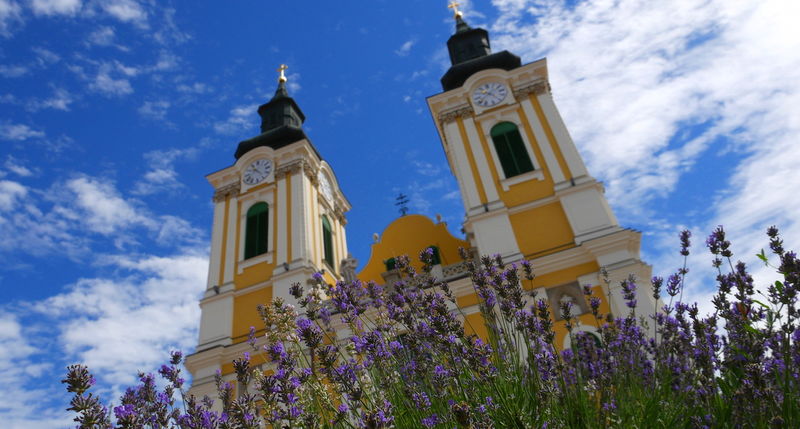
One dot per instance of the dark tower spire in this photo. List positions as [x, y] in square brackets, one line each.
[281, 120]
[471, 52]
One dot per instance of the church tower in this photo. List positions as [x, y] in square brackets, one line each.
[526, 191]
[278, 219]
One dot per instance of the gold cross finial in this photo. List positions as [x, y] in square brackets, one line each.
[281, 70]
[454, 5]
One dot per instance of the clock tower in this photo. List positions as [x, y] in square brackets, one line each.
[278, 219]
[525, 188]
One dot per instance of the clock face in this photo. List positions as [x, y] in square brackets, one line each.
[257, 171]
[325, 187]
[489, 94]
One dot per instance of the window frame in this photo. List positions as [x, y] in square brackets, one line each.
[328, 259]
[255, 239]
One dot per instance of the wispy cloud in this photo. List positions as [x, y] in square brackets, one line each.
[106, 83]
[155, 110]
[56, 7]
[648, 89]
[405, 48]
[10, 12]
[18, 132]
[241, 118]
[60, 100]
[13, 70]
[161, 175]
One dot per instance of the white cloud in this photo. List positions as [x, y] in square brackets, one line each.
[13, 71]
[56, 7]
[126, 11]
[102, 209]
[647, 88]
[25, 400]
[405, 48]
[241, 118]
[9, 12]
[156, 110]
[106, 84]
[18, 132]
[60, 100]
[161, 175]
[103, 36]
[13, 166]
[11, 194]
[45, 56]
[120, 325]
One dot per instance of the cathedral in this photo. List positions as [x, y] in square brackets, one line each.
[280, 215]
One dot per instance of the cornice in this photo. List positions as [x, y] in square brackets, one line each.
[539, 86]
[453, 114]
[231, 190]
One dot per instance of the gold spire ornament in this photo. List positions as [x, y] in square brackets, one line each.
[282, 69]
[456, 13]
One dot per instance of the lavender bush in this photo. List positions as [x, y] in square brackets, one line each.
[410, 364]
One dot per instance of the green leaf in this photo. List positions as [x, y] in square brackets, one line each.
[779, 286]
[762, 256]
[761, 304]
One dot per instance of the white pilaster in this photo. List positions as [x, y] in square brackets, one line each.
[299, 251]
[565, 143]
[230, 241]
[216, 244]
[464, 172]
[480, 160]
[280, 208]
[544, 144]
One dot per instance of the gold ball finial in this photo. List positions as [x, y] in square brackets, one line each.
[282, 69]
[456, 13]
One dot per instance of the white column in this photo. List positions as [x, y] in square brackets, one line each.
[216, 244]
[461, 167]
[230, 241]
[543, 142]
[565, 143]
[481, 160]
[280, 209]
[299, 251]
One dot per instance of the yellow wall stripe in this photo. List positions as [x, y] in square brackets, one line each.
[531, 138]
[550, 136]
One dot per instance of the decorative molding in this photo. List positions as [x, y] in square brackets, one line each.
[451, 115]
[539, 87]
[294, 167]
[224, 192]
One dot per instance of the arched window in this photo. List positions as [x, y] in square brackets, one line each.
[511, 149]
[256, 230]
[327, 240]
[390, 263]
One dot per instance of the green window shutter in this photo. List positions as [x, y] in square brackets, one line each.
[256, 230]
[390, 263]
[327, 241]
[511, 149]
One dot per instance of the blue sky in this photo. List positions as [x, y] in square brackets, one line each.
[112, 112]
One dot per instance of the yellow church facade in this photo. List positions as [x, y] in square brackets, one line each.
[279, 214]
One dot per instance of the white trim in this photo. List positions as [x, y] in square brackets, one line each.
[480, 160]
[568, 149]
[469, 191]
[520, 178]
[216, 244]
[280, 207]
[544, 142]
[230, 244]
[248, 201]
[298, 214]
